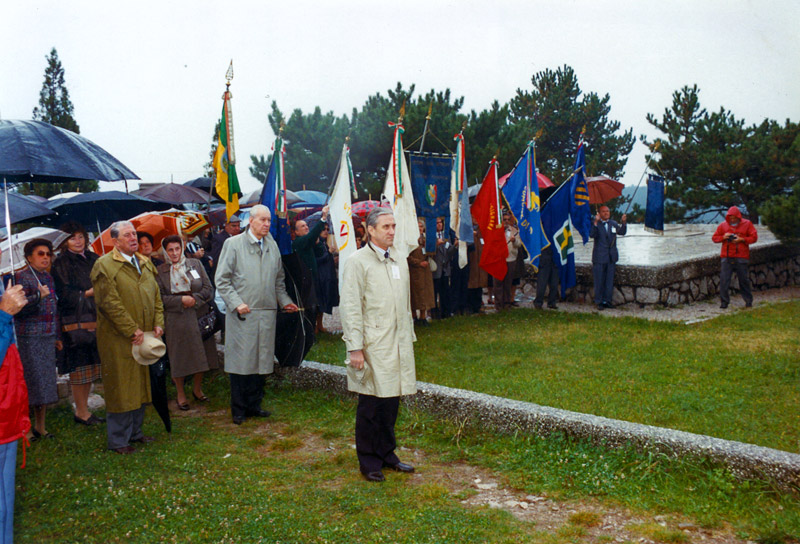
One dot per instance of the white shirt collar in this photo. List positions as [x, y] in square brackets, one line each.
[252, 236]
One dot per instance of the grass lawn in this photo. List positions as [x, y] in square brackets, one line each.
[294, 478]
[735, 377]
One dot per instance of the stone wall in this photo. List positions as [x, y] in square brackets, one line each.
[696, 279]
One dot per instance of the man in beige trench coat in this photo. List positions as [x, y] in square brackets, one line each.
[375, 307]
[250, 280]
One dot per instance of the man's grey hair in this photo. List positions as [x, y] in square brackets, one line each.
[260, 209]
[117, 226]
[376, 214]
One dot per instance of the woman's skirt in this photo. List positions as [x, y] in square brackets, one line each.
[38, 355]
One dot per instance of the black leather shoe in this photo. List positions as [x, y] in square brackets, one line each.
[376, 476]
[608, 305]
[401, 467]
[601, 307]
[144, 440]
[259, 413]
[723, 305]
[553, 306]
[238, 420]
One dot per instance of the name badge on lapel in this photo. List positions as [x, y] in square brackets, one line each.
[193, 273]
[395, 272]
[613, 229]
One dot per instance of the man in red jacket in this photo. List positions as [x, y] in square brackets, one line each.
[736, 234]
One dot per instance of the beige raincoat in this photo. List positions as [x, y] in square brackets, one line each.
[375, 307]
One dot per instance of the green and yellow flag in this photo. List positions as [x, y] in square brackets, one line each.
[227, 183]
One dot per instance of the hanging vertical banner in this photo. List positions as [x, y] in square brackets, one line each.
[430, 181]
[342, 211]
[486, 211]
[401, 199]
[654, 213]
[227, 183]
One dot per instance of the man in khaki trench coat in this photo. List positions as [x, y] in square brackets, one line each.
[250, 280]
[375, 308]
[128, 303]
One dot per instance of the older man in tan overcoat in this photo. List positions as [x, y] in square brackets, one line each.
[375, 309]
[250, 280]
[128, 303]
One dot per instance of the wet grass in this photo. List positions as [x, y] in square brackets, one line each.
[294, 478]
[734, 377]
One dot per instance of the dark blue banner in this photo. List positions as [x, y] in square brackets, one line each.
[430, 182]
[654, 213]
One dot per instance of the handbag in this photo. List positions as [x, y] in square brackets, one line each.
[79, 329]
[211, 322]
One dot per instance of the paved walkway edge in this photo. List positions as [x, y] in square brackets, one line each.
[745, 460]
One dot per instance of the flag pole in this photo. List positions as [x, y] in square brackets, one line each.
[427, 120]
[656, 145]
[8, 229]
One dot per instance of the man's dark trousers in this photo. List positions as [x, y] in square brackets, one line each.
[375, 441]
[247, 392]
[729, 264]
[603, 282]
[547, 277]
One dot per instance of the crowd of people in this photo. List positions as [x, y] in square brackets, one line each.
[108, 317]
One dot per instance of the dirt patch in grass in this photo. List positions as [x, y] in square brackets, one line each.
[586, 521]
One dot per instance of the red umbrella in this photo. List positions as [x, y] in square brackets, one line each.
[362, 208]
[602, 189]
[543, 180]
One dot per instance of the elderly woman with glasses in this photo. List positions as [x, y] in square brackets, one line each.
[38, 332]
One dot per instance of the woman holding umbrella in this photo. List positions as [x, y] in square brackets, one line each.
[37, 332]
[186, 292]
[76, 303]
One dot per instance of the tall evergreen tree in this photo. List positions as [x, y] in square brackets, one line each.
[713, 160]
[55, 108]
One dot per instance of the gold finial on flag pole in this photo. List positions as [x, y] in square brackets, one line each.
[402, 112]
[280, 129]
[430, 109]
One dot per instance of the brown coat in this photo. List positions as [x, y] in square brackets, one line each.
[188, 353]
[478, 278]
[422, 296]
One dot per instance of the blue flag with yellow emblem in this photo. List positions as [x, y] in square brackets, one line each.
[522, 194]
[579, 206]
[557, 226]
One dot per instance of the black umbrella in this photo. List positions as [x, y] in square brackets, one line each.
[22, 208]
[173, 193]
[39, 152]
[205, 184]
[99, 209]
[294, 332]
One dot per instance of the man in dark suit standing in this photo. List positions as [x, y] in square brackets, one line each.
[605, 255]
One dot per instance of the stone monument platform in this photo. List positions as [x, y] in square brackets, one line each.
[680, 266]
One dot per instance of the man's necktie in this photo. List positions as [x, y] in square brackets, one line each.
[136, 264]
[261, 246]
[386, 255]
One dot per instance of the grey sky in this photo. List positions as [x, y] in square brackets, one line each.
[147, 77]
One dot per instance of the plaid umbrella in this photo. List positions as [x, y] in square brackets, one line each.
[362, 209]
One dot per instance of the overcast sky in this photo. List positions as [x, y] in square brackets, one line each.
[146, 78]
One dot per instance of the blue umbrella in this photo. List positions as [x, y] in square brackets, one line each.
[99, 209]
[22, 208]
[310, 199]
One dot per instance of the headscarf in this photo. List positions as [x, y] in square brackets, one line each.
[179, 280]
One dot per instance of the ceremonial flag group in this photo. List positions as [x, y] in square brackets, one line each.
[341, 211]
[397, 190]
[227, 183]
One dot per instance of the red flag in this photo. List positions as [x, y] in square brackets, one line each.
[486, 212]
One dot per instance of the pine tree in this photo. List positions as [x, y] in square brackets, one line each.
[55, 108]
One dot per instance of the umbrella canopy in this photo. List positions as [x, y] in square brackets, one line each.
[541, 179]
[22, 208]
[173, 193]
[37, 198]
[101, 208]
[310, 198]
[602, 189]
[156, 225]
[254, 198]
[205, 184]
[18, 242]
[39, 152]
[192, 223]
[362, 209]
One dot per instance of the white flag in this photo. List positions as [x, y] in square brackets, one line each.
[406, 234]
[341, 211]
